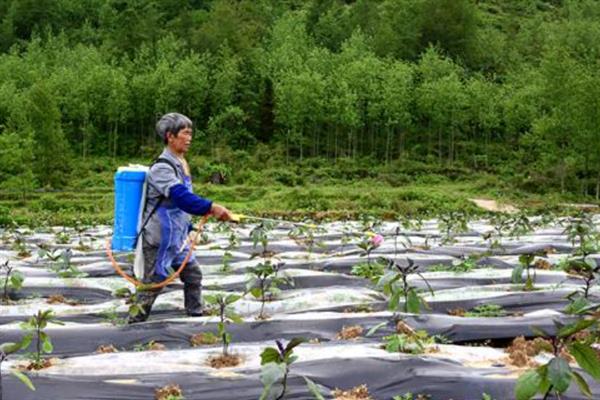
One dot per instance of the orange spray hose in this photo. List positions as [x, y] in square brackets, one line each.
[170, 278]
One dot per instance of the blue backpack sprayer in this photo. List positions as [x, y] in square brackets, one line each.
[130, 199]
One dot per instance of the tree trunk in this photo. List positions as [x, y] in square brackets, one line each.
[598, 186]
[401, 145]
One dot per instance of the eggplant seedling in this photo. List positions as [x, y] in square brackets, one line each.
[260, 234]
[263, 281]
[64, 268]
[413, 301]
[35, 330]
[62, 237]
[519, 225]
[304, 235]
[223, 302]
[20, 246]
[525, 263]
[405, 241]
[556, 376]
[11, 281]
[275, 367]
[452, 223]
[589, 271]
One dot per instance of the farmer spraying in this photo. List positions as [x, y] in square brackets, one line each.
[170, 202]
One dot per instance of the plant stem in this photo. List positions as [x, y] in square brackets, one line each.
[284, 384]
[224, 334]
[263, 298]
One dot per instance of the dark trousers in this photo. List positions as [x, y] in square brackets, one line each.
[191, 276]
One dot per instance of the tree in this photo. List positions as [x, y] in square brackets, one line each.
[51, 149]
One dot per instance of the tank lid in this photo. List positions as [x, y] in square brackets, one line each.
[133, 168]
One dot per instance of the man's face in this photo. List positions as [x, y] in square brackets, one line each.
[181, 142]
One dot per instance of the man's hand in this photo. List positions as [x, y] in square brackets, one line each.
[220, 212]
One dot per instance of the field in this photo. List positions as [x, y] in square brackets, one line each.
[442, 308]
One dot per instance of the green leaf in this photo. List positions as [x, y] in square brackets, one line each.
[375, 328]
[251, 283]
[545, 383]
[527, 385]
[559, 374]
[517, 274]
[268, 355]
[394, 301]
[571, 329]
[539, 331]
[314, 389]
[232, 298]
[272, 373]
[23, 378]
[413, 302]
[210, 299]
[293, 343]
[577, 306]
[26, 341]
[47, 346]
[583, 386]
[256, 292]
[10, 347]
[586, 358]
[236, 319]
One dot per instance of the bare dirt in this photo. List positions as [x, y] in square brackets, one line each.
[224, 361]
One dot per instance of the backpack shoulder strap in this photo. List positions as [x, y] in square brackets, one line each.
[162, 160]
[161, 198]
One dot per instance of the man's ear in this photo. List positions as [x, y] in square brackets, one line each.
[169, 135]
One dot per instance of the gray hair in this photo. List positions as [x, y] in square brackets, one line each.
[172, 122]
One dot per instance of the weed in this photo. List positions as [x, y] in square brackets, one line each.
[372, 271]
[486, 311]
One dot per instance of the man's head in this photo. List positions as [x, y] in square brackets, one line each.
[175, 130]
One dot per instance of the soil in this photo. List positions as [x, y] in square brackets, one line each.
[403, 327]
[522, 351]
[457, 312]
[357, 393]
[358, 309]
[263, 254]
[542, 264]
[224, 361]
[350, 332]
[202, 339]
[168, 392]
[492, 205]
[154, 346]
[60, 299]
[106, 348]
[46, 363]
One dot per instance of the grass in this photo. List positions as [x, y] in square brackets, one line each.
[324, 193]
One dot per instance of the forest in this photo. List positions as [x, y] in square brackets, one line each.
[393, 90]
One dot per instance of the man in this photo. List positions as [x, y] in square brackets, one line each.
[169, 203]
